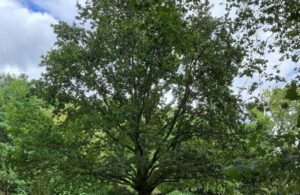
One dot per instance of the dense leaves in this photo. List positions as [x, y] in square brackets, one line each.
[146, 83]
[269, 162]
[136, 99]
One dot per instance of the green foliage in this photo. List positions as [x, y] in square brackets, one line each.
[28, 134]
[11, 90]
[278, 18]
[266, 26]
[138, 90]
[140, 102]
[291, 93]
[270, 159]
[179, 193]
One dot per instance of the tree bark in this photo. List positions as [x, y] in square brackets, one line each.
[144, 189]
[144, 192]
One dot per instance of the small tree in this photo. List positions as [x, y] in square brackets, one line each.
[148, 83]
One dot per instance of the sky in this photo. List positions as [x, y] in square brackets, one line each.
[26, 34]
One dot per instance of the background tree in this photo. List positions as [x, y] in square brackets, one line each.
[269, 160]
[146, 83]
[28, 133]
[266, 26]
[10, 182]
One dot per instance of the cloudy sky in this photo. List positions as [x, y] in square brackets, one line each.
[26, 34]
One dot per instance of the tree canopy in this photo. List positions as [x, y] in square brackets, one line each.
[137, 99]
[146, 81]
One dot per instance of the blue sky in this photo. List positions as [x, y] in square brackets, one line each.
[32, 6]
[59, 9]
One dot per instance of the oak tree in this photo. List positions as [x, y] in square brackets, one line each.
[143, 91]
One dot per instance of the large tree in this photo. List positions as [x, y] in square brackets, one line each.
[143, 91]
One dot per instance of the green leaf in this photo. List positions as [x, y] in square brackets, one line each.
[232, 173]
[285, 105]
[298, 120]
[291, 93]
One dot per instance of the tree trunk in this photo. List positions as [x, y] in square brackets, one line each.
[144, 189]
[144, 192]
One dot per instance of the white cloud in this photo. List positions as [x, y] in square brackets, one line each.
[24, 37]
[9, 3]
